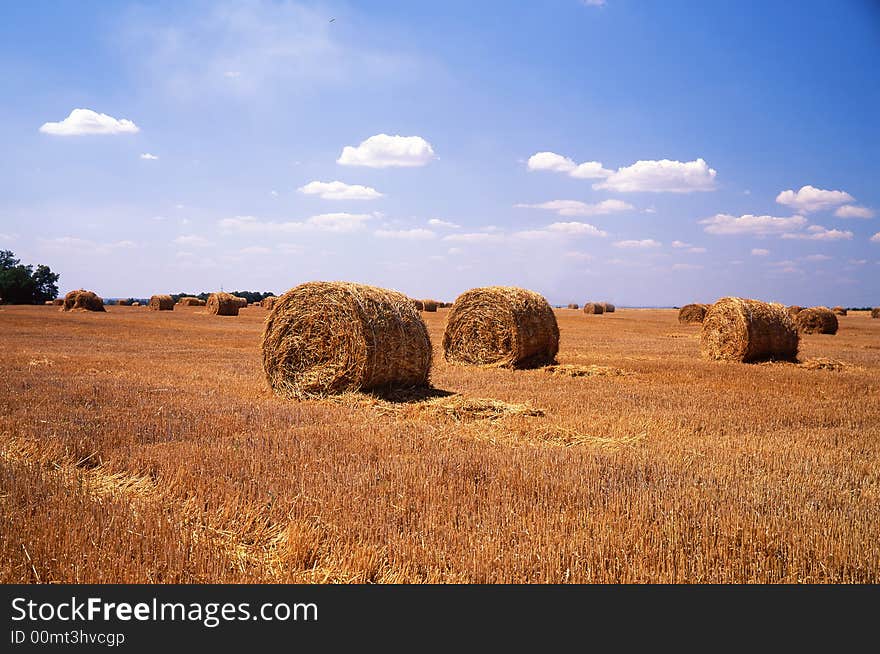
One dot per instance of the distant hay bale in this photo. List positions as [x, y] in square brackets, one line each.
[875, 312]
[49, 303]
[123, 302]
[574, 305]
[738, 329]
[816, 320]
[161, 303]
[222, 304]
[418, 304]
[268, 302]
[429, 305]
[594, 308]
[242, 301]
[82, 300]
[191, 302]
[692, 314]
[840, 311]
[609, 308]
[794, 310]
[135, 304]
[331, 337]
[58, 302]
[501, 326]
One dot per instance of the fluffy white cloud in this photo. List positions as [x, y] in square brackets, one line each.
[417, 234]
[436, 222]
[663, 176]
[191, 240]
[875, 238]
[852, 211]
[327, 222]
[638, 244]
[149, 157]
[557, 163]
[384, 151]
[686, 266]
[474, 237]
[339, 191]
[555, 230]
[819, 233]
[809, 199]
[760, 252]
[86, 121]
[578, 208]
[680, 244]
[817, 257]
[857, 262]
[594, 3]
[725, 224]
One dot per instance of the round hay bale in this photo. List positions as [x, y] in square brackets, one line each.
[418, 304]
[794, 310]
[58, 302]
[816, 320]
[49, 303]
[331, 337]
[429, 305]
[82, 300]
[609, 308]
[594, 308]
[191, 302]
[242, 301]
[692, 314]
[268, 302]
[840, 311]
[222, 304]
[501, 326]
[574, 305]
[135, 304]
[738, 329]
[161, 303]
[875, 312]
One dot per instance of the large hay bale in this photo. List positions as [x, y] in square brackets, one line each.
[222, 304]
[331, 337]
[875, 312]
[816, 320]
[58, 302]
[242, 301]
[609, 308]
[429, 305]
[501, 326]
[191, 302]
[594, 308]
[738, 329]
[794, 310]
[82, 300]
[692, 314]
[161, 303]
[268, 302]
[840, 311]
[574, 305]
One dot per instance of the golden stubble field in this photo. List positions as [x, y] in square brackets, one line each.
[140, 446]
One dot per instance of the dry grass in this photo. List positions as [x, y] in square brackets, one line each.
[686, 471]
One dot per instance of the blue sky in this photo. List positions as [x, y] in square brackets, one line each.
[647, 153]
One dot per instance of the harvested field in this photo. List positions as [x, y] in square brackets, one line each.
[684, 470]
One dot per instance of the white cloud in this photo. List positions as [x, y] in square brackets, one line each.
[290, 248]
[817, 257]
[875, 238]
[638, 244]
[680, 244]
[149, 157]
[559, 164]
[575, 228]
[192, 240]
[231, 74]
[86, 121]
[417, 234]
[474, 237]
[436, 222]
[697, 250]
[725, 224]
[273, 193]
[75, 243]
[852, 211]
[327, 222]
[578, 256]
[340, 191]
[593, 3]
[760, 252]
[384, 151]
[663, 176]
[819, 233]
[686, 266]
[578, 208]
[857, 262]
[454, 251]
[809, 199]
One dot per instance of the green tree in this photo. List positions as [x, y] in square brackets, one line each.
[21, 284]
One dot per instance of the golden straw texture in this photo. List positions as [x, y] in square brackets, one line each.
[161, 303]
[82, 300]
[816, 320]
[222, 304]
[692, 314]
[738, 329]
